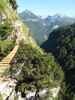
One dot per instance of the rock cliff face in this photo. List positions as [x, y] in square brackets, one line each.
[7, 92]
[7, 88]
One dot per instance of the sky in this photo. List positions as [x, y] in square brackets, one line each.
[48, 7]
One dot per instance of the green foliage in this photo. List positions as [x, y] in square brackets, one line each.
[3, 5]
[5, 29]
[1, 98]
[13, 4]
[38, 70]
[61, 43]
[5, 47]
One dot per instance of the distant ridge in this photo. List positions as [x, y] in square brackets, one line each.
[42, 27]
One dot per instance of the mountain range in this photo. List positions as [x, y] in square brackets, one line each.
[40, 28]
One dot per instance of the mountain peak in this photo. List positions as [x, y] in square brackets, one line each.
[28, 11]
[28, 14]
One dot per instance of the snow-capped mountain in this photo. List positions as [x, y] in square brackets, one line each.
[41, 27]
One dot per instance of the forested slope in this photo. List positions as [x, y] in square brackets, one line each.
[61, 43]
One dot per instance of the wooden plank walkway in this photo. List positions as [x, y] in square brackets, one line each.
[5, 63]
